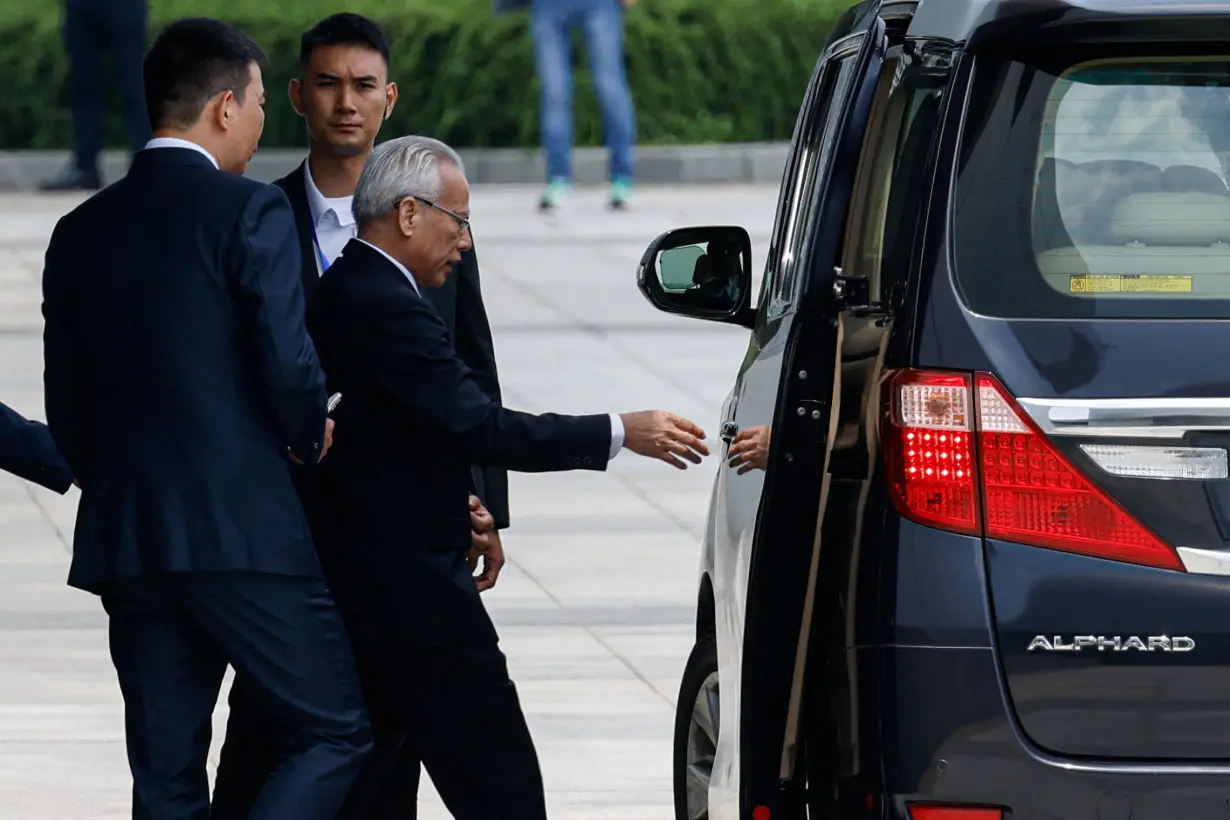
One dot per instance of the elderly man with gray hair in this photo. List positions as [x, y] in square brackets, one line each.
[389, 508]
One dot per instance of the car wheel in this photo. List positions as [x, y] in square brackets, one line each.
[696, 732]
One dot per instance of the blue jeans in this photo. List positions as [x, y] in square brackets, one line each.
[601, 24]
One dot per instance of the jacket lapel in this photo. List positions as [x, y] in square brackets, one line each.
[295, 186]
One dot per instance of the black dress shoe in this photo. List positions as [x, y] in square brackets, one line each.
[72, 178]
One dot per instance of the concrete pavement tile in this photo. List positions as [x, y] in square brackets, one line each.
[60, 511]
[617, 770]
[657, 653]
[58, 722]
[626, 695]
[515, 589]
[565, 807]
[14, 274]
[13, 489]
[557, 653]
[615, 569]
[18, 511]
[609, 612]
[536, 496]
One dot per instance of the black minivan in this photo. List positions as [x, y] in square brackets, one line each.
[971, 559]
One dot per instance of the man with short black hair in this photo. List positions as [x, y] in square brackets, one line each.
[344, 94]
[180, 383]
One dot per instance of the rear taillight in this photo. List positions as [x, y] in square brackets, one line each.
[933, 450]
[954, 813]
[970, 461]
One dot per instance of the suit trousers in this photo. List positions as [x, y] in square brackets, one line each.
[454, 709]
[91, 29]
[172, 636]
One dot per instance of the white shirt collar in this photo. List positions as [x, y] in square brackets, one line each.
[176, 142]
[319, 204]
[400, 266]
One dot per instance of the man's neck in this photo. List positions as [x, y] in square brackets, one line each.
[194, 136]
[336, 176]
[377, 237]
[373, 236]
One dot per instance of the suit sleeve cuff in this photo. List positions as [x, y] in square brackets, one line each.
[617, 435]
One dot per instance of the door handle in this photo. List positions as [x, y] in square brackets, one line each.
[729, 431]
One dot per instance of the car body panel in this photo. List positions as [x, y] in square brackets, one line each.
[921, 684]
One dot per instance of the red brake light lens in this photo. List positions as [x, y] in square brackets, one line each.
[1033, 495]
[1019, 488]
[954, 813]
[932, 452]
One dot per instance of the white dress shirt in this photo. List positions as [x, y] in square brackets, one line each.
[617, 424]
[176, 142]
[333, 221]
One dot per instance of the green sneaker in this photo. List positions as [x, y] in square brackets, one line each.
[554, 194]
[621, 193]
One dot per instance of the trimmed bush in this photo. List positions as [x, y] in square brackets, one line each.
[701, 70]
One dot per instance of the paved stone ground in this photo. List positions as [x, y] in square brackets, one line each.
[596, 605]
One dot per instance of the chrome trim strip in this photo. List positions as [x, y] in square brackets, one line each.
[1204, 562]
[1128, 418]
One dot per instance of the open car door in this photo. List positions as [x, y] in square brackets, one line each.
[786, 547]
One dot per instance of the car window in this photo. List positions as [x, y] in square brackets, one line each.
[801, 191]
[1127, 207]
[890, 176]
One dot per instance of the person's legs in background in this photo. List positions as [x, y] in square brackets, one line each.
[85, 39]
[92, 28]
[128, 24]
[550, 28]
[602, 22]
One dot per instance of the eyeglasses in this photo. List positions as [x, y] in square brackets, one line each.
[463, 224]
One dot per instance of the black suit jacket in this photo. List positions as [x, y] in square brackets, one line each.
[460, 304]
[178, 371]
[27, 450]
[389, 504]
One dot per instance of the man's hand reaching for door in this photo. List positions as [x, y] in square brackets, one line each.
[664, 436]
[750, 449]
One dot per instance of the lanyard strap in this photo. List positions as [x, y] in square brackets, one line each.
[320, 254]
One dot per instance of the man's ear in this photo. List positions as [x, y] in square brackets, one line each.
[222, 109]
[390, 99]
[295, 91]
[408, 215]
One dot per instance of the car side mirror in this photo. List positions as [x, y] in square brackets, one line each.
[704, 273]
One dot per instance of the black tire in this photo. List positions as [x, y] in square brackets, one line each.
[702, 662]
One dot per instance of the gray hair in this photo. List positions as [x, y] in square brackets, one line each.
[400, 168]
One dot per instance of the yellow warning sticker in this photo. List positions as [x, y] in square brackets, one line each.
[1129, 283]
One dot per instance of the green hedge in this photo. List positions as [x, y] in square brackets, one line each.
[700, 70]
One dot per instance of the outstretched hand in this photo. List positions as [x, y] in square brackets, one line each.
[664, 436]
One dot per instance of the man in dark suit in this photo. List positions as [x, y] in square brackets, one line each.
[389, 507]
[179, 383]
[28, 451]
[344, 95]
[91, 29]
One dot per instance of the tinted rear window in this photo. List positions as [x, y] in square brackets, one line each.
[1096, 188]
